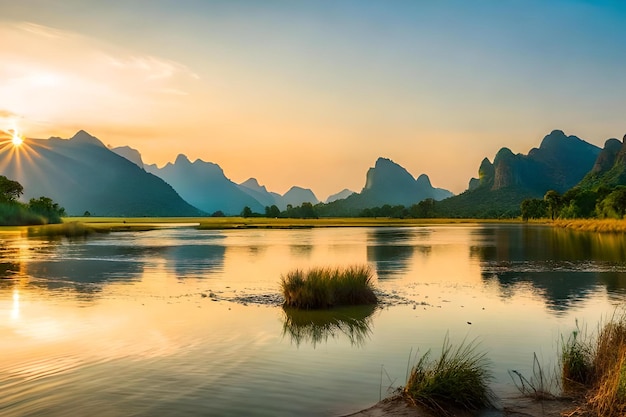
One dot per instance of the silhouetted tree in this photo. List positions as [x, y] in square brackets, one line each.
[272, 211]
[10, 190]
[246, 212]
[307, 211]
[218, 213]
[423, 210]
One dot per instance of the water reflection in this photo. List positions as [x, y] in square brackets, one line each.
[391, 249]
[195, 260]
[562, 266]
[86, 265]
[315, 326]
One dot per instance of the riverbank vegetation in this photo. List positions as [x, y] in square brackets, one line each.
[457, 380]
[40, 210]
[594, 369]
[319, 288]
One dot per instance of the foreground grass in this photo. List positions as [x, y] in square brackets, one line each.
[593, 225]
[457, 380]
[328, 287]
[595, 368]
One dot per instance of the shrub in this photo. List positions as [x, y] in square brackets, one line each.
[328, 287]
[458, 380]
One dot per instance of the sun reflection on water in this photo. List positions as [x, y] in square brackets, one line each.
[15, 311]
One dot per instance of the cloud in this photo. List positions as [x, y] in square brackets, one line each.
[6, 114]
[53, 76]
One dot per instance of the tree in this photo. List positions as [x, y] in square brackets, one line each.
[614, 204]
[307, 211]
[246, 212]
[424, 209]
[10, 190]
[44, 206]
[272, 211]
[553, 200]
[533, 208]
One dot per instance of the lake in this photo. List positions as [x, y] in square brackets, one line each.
[181, 322]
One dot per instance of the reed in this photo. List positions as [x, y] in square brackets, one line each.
[457, 380]
[328, 287]
[593, 225]
[69, 230]
[608, 382]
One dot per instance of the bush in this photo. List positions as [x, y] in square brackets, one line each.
[458, 380]
[328, 287]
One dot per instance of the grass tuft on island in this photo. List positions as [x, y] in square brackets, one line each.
[457, 381]
[328, 287]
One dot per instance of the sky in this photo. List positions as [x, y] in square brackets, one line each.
[311, 93]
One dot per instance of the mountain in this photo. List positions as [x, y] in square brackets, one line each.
[387, 183]
[204, 185]
[266, 198]
[129, 153]
[298, 195]
[390, 183]
[609, 168]
[558, 164]
[81, 174]
[345, 193]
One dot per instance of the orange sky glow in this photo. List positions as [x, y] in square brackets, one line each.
[311, 94]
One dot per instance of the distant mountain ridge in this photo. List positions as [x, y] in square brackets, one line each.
[559, 164]
[82, 175]
[204, 185]
[389, 183]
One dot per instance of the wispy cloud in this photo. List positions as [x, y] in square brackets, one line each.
[52, 75]
[44, 31]
[6, 114]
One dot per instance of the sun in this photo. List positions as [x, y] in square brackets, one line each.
[17, 139]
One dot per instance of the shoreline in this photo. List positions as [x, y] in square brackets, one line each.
[398, 406]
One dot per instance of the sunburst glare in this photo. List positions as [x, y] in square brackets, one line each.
[17, 139]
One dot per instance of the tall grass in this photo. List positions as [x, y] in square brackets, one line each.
[576, 361]
[328, 287]
[608, 397]
[593, 225]
[457, 380]
[596, 368]
[69, 230]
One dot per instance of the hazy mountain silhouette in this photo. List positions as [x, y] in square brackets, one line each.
[266, 198]
[298, 195]
[558, 164]
[345, 193]
[609, 168]
[81, 174]
[204, 185]
[389, 183]
[129, 153]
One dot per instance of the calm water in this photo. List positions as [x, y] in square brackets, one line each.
[180, 322]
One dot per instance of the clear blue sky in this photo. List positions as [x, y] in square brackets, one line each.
[310, 93]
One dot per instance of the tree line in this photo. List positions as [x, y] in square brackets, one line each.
[603, 202]
[423, 209]
[40, 210]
